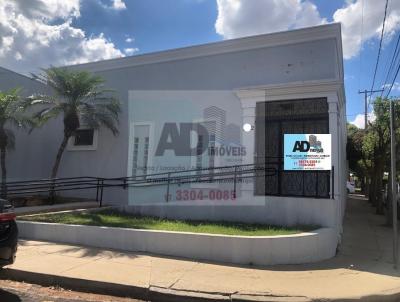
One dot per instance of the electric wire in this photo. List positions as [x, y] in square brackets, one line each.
[379, 50]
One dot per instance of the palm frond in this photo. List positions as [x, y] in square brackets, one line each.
[12, 110]
[43, 116]
[78, 93]
[105, 114]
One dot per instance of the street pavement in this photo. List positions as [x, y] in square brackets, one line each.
[361, 270]
[11, 291]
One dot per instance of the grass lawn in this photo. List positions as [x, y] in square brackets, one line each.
[112, 218]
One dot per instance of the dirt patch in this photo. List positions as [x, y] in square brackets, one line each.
[32, 292]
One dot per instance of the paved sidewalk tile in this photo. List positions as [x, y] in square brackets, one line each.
[362, 268]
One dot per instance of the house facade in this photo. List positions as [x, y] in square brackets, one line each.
[228, 104]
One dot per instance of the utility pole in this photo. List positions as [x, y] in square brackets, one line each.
[394, 184]
[366, 103]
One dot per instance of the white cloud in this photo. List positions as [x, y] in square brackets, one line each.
[351, 18]
[129, 40]
[118, 5]
[359, 120]
[396, 86]
[130, 51]
[47, 9]
[39, 33]
[238, 18]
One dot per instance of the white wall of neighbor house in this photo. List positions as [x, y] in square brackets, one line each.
[31, 157]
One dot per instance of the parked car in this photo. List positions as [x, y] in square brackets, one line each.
[8, 233]
[350, 187]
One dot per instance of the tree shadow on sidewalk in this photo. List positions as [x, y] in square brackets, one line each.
[366, 245]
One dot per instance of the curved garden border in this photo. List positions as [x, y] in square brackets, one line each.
[258, 250]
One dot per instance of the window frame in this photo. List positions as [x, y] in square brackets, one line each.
[93, 147]
[194, 162]
[151, 148]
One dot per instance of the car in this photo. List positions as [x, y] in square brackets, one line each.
[8, 233]
[350, 187]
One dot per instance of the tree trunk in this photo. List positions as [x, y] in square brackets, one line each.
[3, 172]
[56, 165]
[379, 199]
[380, 167]
[389, 201]
[366, 189]
[362, 185]
[372, 191]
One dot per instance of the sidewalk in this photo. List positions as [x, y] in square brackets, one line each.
[362, 269]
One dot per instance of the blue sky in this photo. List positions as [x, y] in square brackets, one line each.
[75, 31]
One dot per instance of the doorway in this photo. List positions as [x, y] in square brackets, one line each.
[273, 120]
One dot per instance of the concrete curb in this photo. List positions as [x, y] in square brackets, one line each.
[119, 290]
[152, 293]
[299, 248]
[159, 294]
[90, 286]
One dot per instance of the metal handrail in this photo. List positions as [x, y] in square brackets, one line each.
[235, 173]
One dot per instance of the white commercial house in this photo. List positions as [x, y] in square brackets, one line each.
[184, 109]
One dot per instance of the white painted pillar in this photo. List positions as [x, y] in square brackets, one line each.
[248, 141]
[335, 131]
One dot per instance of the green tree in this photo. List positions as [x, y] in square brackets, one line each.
[80, 98]
[11, 115]
[376, 150]
[356, 160]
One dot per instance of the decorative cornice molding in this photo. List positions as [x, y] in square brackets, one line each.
[291, 90]
[321, 32]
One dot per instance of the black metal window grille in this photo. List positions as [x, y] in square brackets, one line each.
[273, 120]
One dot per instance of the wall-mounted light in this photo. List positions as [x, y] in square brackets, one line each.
[247, 127]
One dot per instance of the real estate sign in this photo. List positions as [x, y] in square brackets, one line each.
[307, 152]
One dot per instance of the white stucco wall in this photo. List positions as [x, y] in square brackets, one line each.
[304, 62]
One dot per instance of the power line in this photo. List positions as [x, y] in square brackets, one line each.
[366, 103]
[392, 63]
[380, 45]
[361, 41]
[394, 79]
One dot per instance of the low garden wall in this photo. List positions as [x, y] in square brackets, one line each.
[258, 250]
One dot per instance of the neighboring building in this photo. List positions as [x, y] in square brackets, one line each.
[287, 82]
[27, 161]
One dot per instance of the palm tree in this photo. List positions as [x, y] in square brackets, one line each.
[11, 114]
[79, 97]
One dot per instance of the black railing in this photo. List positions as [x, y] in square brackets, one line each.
[223, 174]
[295, 183]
